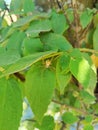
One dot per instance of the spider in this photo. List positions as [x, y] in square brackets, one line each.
[48, 63]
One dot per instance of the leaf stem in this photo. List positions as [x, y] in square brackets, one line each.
[52, 55]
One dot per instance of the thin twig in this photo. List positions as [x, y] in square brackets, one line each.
[8, 11]
[60, 5]
[31, 120]
[63, 126]
[78, 125]
[84, 31]
[3, 14]
[70, 107]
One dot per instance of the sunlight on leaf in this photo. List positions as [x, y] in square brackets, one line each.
[81, 69]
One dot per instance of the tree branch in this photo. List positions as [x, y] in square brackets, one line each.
[76, 22]
[88, 50]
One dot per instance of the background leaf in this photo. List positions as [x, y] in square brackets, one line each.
[86, 17]
[95, 20]
[69, 118]
[95, 39]
[39, 26]
[28, 6]
[16, 5]
[88, 118]
[31, 45]
[88, 127]
[47, 123]
[62, 74]
[87, 97]
[56, 21]
[2, 6]
[54, 41]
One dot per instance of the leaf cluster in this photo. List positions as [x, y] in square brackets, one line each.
[50, 58]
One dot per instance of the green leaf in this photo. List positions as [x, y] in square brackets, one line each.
[6, 33]
[88, 127]
[2, 6]
[47, 123]
[32, 45]
[8, 57]
[15, 41]
[1, 22]
[81, 69]
[88, 118]
[16, 5]
[77, 103]
[87, 97]
[92, 82]
[54, 41]
[70, 15]
[28, 19]
[69, 118]
[25, 62]
[40, 83]
[75, 53]
[93, 74]
[28, 6]
[34, 34]
[95, 107]
[95, 20]
[86, 17]
[64, 61]
[95, 39]
[2, 49]
[22, 6]
[10, 104]
[88, 58]
[24, 21]
[63, 78]
[56, 21]
[39, 26]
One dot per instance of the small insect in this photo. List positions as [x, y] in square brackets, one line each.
[47, 63]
